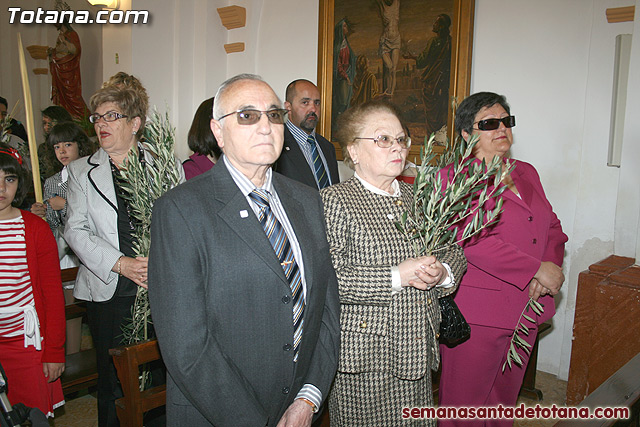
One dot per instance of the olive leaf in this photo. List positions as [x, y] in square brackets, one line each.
[142, 183]
[472, 195]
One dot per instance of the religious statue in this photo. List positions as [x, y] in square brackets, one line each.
[64, 65]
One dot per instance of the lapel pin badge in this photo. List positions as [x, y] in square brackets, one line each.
[244, 213]
[287, 148]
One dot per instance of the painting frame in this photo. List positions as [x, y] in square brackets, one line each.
[461, 31]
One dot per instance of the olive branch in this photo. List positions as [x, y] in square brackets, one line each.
[432, 221]
[517, 342]
[5, 124]
[142, 183]
[438, 208]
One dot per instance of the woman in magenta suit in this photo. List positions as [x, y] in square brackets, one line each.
[518, 258]
[202, 142]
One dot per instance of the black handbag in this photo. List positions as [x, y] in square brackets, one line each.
[453, 327]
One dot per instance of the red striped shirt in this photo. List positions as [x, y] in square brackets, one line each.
[15, 282]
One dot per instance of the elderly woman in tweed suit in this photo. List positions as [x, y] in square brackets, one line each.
[389, 309]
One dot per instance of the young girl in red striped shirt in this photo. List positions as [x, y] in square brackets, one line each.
[32, 320]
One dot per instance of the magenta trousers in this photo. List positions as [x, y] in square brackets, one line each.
[472, 374]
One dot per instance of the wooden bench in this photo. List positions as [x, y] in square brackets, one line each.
[81, 371]
[622, 389]
[135, 403]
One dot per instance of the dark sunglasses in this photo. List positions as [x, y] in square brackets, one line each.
[493, 124]
[251, 117]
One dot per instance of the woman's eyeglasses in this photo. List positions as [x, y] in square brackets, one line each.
[386, 141]
[109, 116]
[493, 124]
[251, 117]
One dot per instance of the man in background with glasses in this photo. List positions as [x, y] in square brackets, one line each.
[307, 157]
[246, 311]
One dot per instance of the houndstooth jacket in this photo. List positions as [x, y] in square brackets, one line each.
[381, 331]
[54, 186]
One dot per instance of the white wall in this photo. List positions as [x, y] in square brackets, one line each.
[180, 55]
[116, 46]
[554, 62]
[628, 207]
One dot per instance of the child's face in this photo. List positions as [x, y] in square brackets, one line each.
[47, 124]
[66, 152]
[8, 188]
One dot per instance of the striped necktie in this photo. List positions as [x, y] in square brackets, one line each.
[318, 166]
[280, 243]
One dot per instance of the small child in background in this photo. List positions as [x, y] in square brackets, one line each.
[32, 318]
[69, 142]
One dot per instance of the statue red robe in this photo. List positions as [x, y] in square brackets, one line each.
[66, 85]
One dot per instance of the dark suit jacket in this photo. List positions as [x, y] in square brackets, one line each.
[293, 164]
[222, 307]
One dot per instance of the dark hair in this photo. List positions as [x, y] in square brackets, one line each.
[290, 93]
[467, 110]
[70, 132]
[57, 113]
[10, 165]
[3, 101]
[200, 137]
[352, 121]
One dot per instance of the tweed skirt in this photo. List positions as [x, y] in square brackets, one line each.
[376, 399]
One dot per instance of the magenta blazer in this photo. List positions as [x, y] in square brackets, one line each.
[504, 258]
[195, 165]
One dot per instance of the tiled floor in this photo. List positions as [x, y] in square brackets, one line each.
[553, 391]
[83, 412]
[79, 412]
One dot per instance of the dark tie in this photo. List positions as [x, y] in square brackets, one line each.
[280, 243]
[318, 166]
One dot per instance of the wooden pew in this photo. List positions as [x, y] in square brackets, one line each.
[622, 389]
[135, 403]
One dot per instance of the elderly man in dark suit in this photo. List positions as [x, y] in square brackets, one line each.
[243, 294]
[307, 157]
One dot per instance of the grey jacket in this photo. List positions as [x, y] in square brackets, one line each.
[92, 225]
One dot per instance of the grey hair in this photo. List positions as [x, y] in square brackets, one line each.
[217, 101]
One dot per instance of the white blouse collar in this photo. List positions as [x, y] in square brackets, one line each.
[395, 186]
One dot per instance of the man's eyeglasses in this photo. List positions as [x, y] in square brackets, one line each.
[386, 141]
[251, 117]
[109, 116]
[493, 124]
